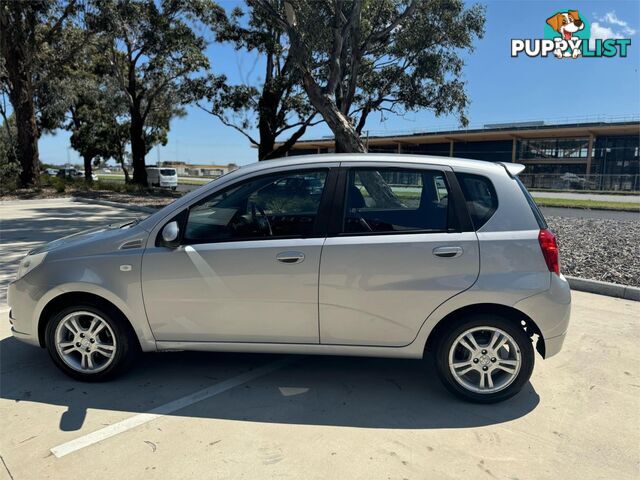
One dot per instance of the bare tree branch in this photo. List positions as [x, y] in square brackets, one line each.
[229, 124]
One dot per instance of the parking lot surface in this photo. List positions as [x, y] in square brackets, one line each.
[205, 415]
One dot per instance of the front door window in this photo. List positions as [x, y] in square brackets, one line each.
[281, 205]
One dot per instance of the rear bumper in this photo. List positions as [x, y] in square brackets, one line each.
[552, 346]
[550, 310]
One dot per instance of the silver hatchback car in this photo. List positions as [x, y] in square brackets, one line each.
[372, 255]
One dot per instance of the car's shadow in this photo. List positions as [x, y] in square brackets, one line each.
[338, 391]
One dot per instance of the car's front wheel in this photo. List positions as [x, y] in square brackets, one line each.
[90, 343]
[485, 358]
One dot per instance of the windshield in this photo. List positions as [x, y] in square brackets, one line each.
[167, 171]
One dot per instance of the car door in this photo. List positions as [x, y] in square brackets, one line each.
[247, 266]
[402, 245]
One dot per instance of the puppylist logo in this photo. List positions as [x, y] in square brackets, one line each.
[567, 35]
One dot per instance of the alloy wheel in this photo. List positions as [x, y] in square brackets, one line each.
[85, 342]
[484, 359]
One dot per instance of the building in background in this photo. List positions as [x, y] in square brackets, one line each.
[192, 170]
[600, 155]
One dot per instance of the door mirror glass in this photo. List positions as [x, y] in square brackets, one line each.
[170, 234]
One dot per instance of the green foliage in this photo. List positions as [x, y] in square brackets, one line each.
[273, 105]
[29, 58]
[9, 176]
[59, 184]
[152, 50]
[389, 56]
[97, 108]
[9, 166]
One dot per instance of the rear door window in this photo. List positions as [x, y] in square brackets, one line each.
[480, 197]
[393, 200]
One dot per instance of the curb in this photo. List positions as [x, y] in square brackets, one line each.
[604, 288]
[108, 203]
[34, 200]
[600, 209]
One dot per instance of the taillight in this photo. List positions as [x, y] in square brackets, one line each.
[549, 247]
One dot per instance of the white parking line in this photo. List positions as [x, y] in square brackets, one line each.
[18, 244]
[167, 408]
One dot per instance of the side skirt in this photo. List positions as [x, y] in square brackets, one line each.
[410, 351]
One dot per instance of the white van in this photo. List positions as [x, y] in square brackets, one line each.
[162, 177]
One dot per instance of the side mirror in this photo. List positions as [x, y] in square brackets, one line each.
[171, 235]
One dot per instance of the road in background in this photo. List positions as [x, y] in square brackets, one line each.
[599, 197]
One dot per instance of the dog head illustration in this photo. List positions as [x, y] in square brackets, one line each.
[566, 23]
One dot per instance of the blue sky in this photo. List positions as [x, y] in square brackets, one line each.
[501, 88]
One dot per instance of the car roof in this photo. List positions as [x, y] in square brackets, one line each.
[453, 162]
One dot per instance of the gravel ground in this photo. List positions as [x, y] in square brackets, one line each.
[599, 249]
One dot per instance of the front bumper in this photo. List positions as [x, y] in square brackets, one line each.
[20, 299]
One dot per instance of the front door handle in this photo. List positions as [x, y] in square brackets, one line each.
[290, 257]
[448, 252]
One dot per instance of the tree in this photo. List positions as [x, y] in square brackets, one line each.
[278, 105]
[153, 51]
[97, 111]
[26, 30]
[8, 135]
[96, 125]
[357, 57]
[9, 166]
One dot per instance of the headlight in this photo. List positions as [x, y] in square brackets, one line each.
[28, 263]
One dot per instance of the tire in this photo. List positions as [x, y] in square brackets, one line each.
[506, 369]
[112, 349]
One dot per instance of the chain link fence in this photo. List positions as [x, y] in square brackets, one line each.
[571, 181]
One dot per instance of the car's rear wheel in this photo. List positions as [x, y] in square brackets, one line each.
[90, 343]
[485, 358]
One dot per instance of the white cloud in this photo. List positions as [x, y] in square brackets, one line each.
[612, 19]
[602, 32]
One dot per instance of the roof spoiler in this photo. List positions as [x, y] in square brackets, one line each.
[512, 169]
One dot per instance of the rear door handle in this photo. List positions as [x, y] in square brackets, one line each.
[448, 252]
[290, 257]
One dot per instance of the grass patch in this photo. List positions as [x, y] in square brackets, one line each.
[79, 186]
[598, 192]
[595, 204]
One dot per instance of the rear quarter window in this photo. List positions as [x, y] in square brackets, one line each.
[480, 197]
[542, 223]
